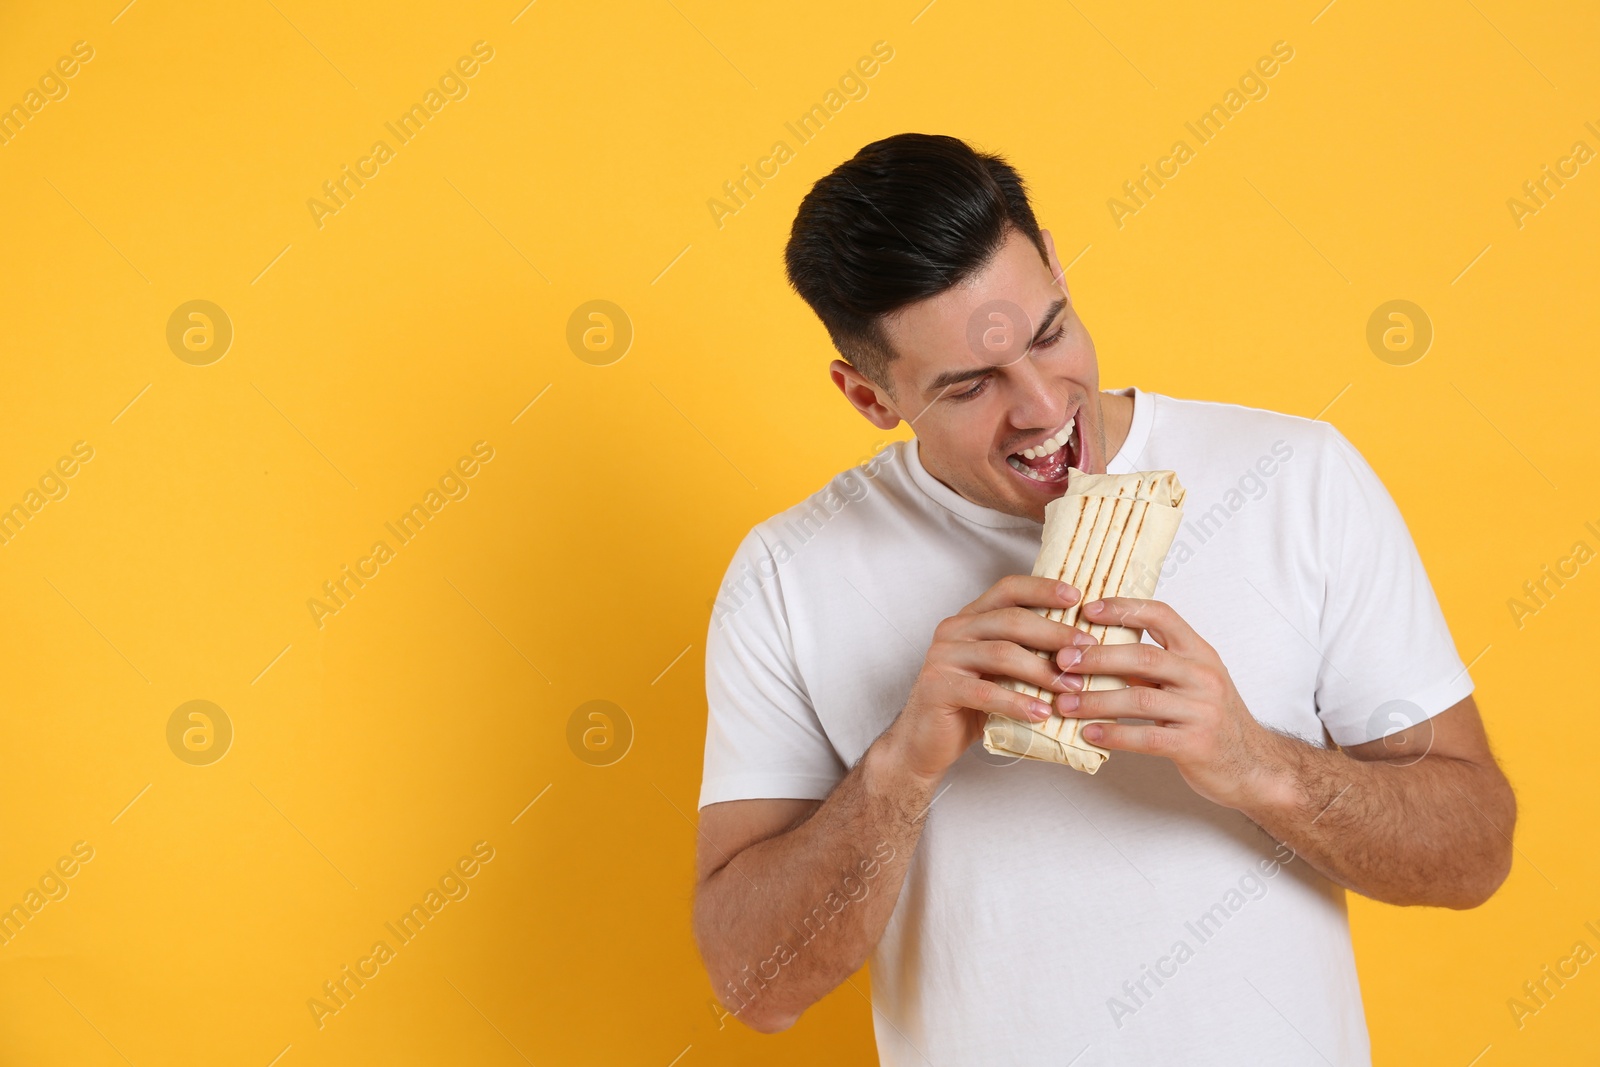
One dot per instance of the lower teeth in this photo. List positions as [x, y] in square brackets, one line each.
[1031, 473]
[1024, 468]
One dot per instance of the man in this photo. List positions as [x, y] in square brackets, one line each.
[1300, 724]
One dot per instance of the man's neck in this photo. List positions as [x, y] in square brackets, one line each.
[1117, 413]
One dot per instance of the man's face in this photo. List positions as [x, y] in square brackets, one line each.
[988, 369]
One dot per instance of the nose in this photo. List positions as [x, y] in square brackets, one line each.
[1038, 403]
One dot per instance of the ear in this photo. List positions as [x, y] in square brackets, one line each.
[1056, 272]
[865, 395]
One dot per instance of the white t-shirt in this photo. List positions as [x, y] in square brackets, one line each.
[1051, 917]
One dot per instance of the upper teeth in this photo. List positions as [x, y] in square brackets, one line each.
[1055, 444]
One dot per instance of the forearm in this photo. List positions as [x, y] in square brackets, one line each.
[1433, 831]
[788, 919]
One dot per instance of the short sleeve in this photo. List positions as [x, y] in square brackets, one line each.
[1388, 660]
[763, 738]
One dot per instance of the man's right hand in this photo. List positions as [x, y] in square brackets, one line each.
[989, 639]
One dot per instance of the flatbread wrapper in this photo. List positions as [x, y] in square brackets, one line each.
[1108, 535]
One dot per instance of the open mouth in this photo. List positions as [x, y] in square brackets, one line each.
[1047, 462]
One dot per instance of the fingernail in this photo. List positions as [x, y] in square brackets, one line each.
[1083, 640]
[1095, 606]
[1066, 702]
[1066, 592]
[1038, 710]
[1068, 656]
[1092, 732]
[1073, 681]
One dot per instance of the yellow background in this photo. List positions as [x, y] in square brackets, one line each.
[428, 312]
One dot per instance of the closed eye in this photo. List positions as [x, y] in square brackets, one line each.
[983, 383]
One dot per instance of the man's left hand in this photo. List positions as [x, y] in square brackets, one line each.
[1199, 720]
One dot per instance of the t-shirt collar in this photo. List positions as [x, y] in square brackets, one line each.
[1122, 463]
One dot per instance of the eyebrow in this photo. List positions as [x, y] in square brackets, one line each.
[956, 377]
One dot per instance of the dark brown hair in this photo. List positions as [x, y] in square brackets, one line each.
[905, 219]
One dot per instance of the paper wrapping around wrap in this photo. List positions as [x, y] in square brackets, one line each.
[1107, 536]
